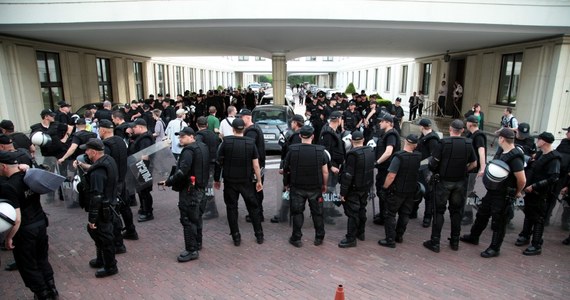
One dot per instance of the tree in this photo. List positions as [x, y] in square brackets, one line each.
[350, 89]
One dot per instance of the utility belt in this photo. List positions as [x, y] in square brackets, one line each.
[36, 224]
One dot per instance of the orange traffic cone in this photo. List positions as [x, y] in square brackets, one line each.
[339, 293]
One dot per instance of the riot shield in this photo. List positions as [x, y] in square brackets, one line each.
[152, 164]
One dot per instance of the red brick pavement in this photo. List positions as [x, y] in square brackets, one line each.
[278, 270]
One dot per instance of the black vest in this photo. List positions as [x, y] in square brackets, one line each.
[255, 132]
[118, 151]
[537, 170]
[381, 147]
[106, 162]
[200, 168]
[364, 168]
[511, 181]
[136, 145]
[424, 144]
[454, 156]
[211, 140]
[407, 176]
[305, 166]
[83, 137]
[238, 155]
[478, 134]
[55, 147]
[564, 150]
[337, 150]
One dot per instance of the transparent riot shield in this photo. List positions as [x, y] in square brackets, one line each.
[152, 164]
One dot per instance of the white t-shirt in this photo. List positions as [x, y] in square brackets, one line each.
[226, 126]
[173, 127]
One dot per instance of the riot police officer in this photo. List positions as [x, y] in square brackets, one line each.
[28, 238]
[541, 173]
[401, 187]
[450, 162]
[479, 142]
[305, 173]
[142, 139]
[253, 131]
[101, 185]
[498, 199]
[190, 180]
[426, 145]
[330, 139]
[385, 149]
[211, 140]
[78, 138]
[356, 179]
[238, 158]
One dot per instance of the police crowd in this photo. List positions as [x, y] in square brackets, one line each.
[328, 159]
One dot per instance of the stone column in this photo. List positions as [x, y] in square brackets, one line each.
[279, 72]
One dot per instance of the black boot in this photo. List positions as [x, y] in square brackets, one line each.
[536, 246]
[495, 247]
[470, 239]
[432, 244]
[454, 243]
[51, 285]
[236, 237]
[565, 219]
[43, 295]
[98, 261]
[524, 236]
[390, 243]
[566, 241]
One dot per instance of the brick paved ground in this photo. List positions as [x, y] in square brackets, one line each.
[278, 270]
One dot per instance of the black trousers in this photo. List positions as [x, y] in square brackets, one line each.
[31, 255]
[298, 199]
[535, 209]
[355, 209]
[454, 193]
[380, 178]
[103, 237]
[232, 191]
[493, 205]
[191, 206]
[146, 201]
[402, 205]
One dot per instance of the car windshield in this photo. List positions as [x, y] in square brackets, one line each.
[269, 117]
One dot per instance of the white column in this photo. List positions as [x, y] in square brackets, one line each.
[279, 72]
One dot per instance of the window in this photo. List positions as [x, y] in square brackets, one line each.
[311, 58]
[375, 79]
[366, 81]
[243, 58]
[426, 78]
[404, 82]
[139, 87]
[328, 58]
[388, 71]
[159, 78]
[509, 80]
[202, 78]
[192, 79]
[179, 80]
[50, 78]
[104, 75]
[259, 58]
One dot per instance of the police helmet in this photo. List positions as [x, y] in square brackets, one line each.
[372, 142]
[76, 182]
[420, 192]
[40, 138]
[346, 139]
[7, 216]
[495, 173]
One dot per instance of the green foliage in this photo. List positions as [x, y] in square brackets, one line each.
[385, 102]
[239, 87]
[298, 79]
[350, 89]
[220, 88]
[378, 97]
[266, 78]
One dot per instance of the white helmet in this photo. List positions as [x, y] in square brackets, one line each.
[495, 173]
[40, 138]
[371, 143]
[76, 181]
[347, 140]
[7, 216]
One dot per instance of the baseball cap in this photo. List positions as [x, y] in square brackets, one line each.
[5, 140]
[387, 118]
[245, 112]
[93, 143]
[507, 133]
[104, 123]
[181, 111]
[547, 137]
[298, 118]
[321, 94]
[10, 157]
[524, 130]
[351, 103]
[186, 131]
[425, 123]
[306, 131]
[46, 112]
[357, 135]
[238, 124]
[64, 104]
[80, 121]
[7, 124]
[567, 129]
[335, 115]
[140, 122]
[202, 121]
[472, 119]
[412, 138]
[456, 124]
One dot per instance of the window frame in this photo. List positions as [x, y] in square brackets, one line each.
[514, 79]
[50, 84]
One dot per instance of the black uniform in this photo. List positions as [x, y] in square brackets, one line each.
[256, 134]
[316, 113]
[193, 162]
[104, 114]
[356, 179]
[390, 138]
[101, 181]
[542, 174]
[426, 145]
[212, 141]
[351, 119]
[31, 240]
[496, 204]
[235, 156]
[478, 140]
[564, 150]
[402, 194]
[56, 131]
[302, 172]
[20, 140]
[79, 138]
[168, 114]
[398, 113]
[449, 162]
[139, 143]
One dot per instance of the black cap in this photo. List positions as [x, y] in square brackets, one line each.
[507, 133]
[47, 112]
[92, 106]
[5, 140]
[387, 118]
[457, 124]
[140, 122]
[245, 112]
[93, 143]
[425, 123]
[80, 121]
[547, 137]
[202, 121]
[357, 135]
[472, 119]
[412, 138]
[298, 118]
[64, 104]
[351, 102]
[10, 157]
[186, 131]
[306, 131]
[7, 124]
[127, 105]
[321, 94]
[159, 95]
[398, 99]
[567, 129]
[104, 123]
[238, 124]
[524, 130]
[335, 115]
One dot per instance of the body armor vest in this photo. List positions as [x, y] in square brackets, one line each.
[407, 176]
[564, 150]
[364, 168]
[424, 144]
[84, 137]
[211, 140]
[107, 163]
[537, 170]
[200, 163]
[305, 165]
[381, 147]
[118, 151]
[238, 153]
[515, 153]
[259, 141]
[454, 158]
[337, 150]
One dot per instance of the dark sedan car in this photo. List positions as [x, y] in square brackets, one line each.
[274, 121]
